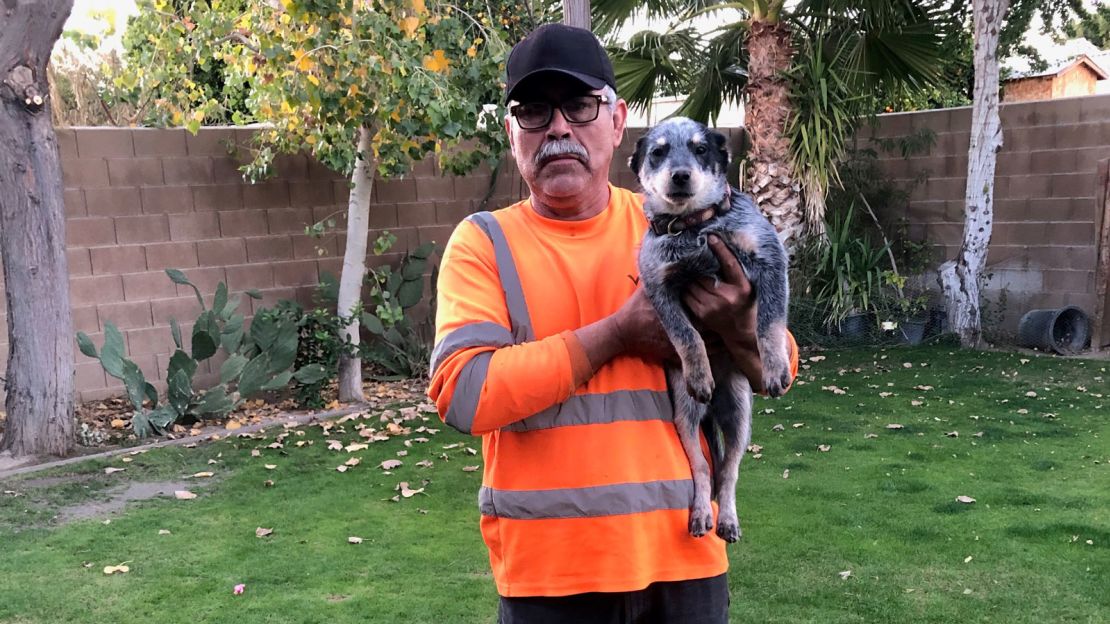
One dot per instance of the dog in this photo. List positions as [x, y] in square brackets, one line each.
[682, 166]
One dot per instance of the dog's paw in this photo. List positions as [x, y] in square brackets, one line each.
[700, 387]
[701, 521]
[729, 530]
[775, 383]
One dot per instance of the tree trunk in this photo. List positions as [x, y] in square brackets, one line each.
[39, 380]
[770, 174]
[354, 264]
[577, 13]
[960, 277]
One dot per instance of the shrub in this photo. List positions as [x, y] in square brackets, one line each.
[259, 361]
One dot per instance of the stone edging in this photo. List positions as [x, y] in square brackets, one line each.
[304, 419]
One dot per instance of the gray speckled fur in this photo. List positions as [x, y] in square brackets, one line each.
[709, 393]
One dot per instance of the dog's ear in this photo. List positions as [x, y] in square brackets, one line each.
[720, 148]
[637, 157]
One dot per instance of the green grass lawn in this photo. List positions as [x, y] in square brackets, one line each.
[1035, 547]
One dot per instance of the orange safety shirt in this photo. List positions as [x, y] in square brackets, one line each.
[587, 488]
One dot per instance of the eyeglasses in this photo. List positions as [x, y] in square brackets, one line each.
[577, 110]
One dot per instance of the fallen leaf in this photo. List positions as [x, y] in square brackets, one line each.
[126, 460]
[916, 403]
[1031, 394]
[256, 453]
[868, 436]
[885, 394]
[184, 495]
[778, 427]
[261, 532]
[390, 464]
[110, 470]
[118, 423]
[907, 364]
[953, 434]
[163, 532]
[121, 569]
[754, 448]
[427, 463]
[965, 499]
[270, 466]
[352, 462]
[799, 425]
[355, 446]
[335, 445]
[268, 483]
[834, 389]
[470, 468]
[786, 474]
[845, 574]
[895, 426]
[471, 451]
[406, 491]
[824, 448]
[238, 589]
[968, 559]
[233, 424]
[341, 468]
[817, 358]
[354, 540]
[923, 388]
[1023, 411]
[202, 475]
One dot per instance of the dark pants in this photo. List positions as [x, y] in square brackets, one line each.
[698, 601]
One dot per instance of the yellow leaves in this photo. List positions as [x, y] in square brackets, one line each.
[314, 80]
[436, 62]
[120, 569]
[419, 7]
[409, 26]
[472, 51]
[302, 61]
[177, 118]
[310, 139]
[352, 90]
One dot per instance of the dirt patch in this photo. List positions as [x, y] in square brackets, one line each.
[119, 497]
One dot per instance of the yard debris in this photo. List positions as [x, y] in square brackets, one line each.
[834, 389]
[824, 448]
[263, 532]
[203, 475]
[119, 569]
[427, 463]
[952, 434]
[816, 358]
[406, 491]
[354, 540]
[238, 589]
[868, 436]
[845, 574]
[968, 559]
[786, 474]
[163, 532]
[799, 425]
[390, 464]
[895, 426]
[965, 499]
[470, 468]
[355, 446]
[754, 448]
[184, 495]
[269, 466]
[111, 470]
[778, 427]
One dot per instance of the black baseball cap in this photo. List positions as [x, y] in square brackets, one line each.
[575, 52]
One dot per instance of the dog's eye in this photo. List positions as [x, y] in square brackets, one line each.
[659, 152]
[700, 149]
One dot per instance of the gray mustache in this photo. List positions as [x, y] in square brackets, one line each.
[562, 147]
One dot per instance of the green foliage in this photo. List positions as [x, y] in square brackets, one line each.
[320, 344]
[397, 345]
[260, 362]
[1093, 25]
[315, 71]
[842, 274]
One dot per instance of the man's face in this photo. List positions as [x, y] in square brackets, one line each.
[564, 159]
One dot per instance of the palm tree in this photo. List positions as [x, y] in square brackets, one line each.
[800, 108]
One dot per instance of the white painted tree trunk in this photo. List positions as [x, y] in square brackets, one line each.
[354, 263]
[960, 277]
[577, 13]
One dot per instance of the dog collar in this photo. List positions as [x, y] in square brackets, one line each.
[675, 225]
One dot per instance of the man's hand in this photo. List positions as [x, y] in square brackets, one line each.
[728, 309]
[639, 330]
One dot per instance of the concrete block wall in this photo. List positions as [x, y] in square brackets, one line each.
[139, 201]
[1044, 246]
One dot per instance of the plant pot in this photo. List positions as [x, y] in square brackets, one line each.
[938, 320]
[912, 330]
[855, 326]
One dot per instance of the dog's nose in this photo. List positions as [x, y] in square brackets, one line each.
[680, 178]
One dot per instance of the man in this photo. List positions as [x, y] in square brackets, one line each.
[547, 349]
